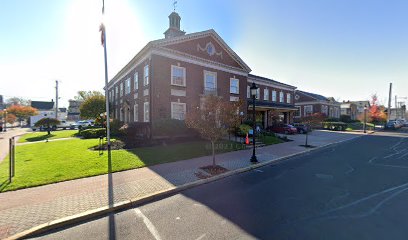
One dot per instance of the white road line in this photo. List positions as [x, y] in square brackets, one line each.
[148, 224]
[201, 237]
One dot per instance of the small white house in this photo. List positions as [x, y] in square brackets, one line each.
[46, 109]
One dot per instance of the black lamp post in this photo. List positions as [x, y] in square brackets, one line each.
[254, 90]
[365, 118]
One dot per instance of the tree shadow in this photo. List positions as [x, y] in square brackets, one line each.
[4, 184]
[40, 138]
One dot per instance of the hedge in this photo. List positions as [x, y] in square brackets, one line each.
[336, 126]
[93, 133]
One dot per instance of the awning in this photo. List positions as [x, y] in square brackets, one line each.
[264, 105]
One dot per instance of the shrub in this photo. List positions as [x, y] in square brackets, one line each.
[244, 129]
[336, 126]
[115, 126]
[332, 120]
[170, 127]
[93, 133]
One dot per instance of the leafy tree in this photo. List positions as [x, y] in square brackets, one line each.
[22, 112]
[312, 121]
[18, 101]
[84, 95]
[92, 107]
[11, 118]
[49, 122]
[211, 120]
[376, 113]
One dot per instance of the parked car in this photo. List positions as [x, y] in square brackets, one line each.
[302, 128]
[62, 125]
[83, 123]
[393, 124]
[283, 128]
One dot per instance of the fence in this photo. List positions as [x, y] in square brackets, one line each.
[12, 156]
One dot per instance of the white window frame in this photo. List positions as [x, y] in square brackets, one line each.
[172, 108]
[136, 112]
[215, 79]
[274, 96]
[232, 80]
[184, 76]
[146, 75]
[305, 112]
[288, 98]
[299, 111]
[121, 89]
[248, 91]
[258, 93]
[121, 114]
[326, 110]
[116, 91]
[266, 94]
[281, 97]
[127, 86]
[136, 81]
[146, 112]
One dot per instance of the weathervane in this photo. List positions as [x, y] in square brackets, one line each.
[174, 5]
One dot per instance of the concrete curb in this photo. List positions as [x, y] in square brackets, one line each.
[168, 192]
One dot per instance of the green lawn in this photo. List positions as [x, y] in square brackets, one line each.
[269, 140]
[358, 126]
[49, 162]
[39, 136]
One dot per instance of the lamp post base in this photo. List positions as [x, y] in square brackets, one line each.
[254, 159]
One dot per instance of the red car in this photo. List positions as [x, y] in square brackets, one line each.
[283, 128]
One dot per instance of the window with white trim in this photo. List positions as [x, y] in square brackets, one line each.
[127, 86]
[117, 91]
[121, 89]
[178, 110]
[281, 97]
[274, 96]
[307, 110]
[210, 81]
[234, 85]
[298, 112]
[178, 76]
[325, 110]
[136, 113]
[258, 93]
[146, 75]
[266, 94]
[288, 98]
[136, 81]
[146, 117]
[121, 114]
[248, 92]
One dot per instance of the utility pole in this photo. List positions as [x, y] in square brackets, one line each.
[389, 103]
[56, 99]
[103, 38]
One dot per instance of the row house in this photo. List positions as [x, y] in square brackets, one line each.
[170, 76]
[274, 101]
[350, 109]
[310, 103]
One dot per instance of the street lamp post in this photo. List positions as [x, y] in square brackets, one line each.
[365, 118]
[253, 89]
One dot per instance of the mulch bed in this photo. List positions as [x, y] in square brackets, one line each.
[307, 146]
[210, 171]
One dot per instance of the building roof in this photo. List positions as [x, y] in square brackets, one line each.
[314, 95]
[160, 43]
[40, 105]
[62, 109]
[270, 80]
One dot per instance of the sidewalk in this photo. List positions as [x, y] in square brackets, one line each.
[4, 139]
[23, 209]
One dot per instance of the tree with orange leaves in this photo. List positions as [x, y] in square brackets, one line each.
[21, 112]
[376, 114]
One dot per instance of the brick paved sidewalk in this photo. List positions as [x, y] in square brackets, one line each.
[23, 209]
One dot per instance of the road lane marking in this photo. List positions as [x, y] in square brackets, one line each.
[148, 224]
[201, 237]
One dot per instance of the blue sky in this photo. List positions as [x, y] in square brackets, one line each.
[346, 49]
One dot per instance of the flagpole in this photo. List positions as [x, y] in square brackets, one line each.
[106, 81]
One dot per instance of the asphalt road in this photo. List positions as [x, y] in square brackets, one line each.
[354, 190]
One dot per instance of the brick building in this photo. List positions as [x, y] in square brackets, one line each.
[309, 103]
[169, 76]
